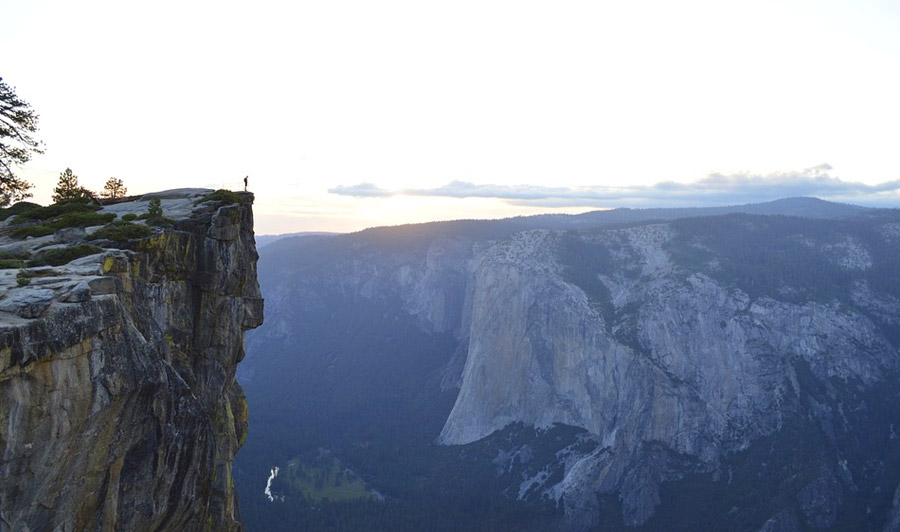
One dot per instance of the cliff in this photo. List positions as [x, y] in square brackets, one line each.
[728, 372]
[118, 404]
[672, 369]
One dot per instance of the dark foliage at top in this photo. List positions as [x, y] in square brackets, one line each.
[18, 122]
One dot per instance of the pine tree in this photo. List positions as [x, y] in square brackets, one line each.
[114, 188]
[67, 188]
[17, 123]
[154, 209]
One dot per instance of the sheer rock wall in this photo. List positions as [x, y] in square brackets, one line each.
[118, 404]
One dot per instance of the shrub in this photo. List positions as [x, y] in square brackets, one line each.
[68, 219]
[12, 260]
[157, 221]
[52, 211]
[60, 256]
[223, 196]
[6, 264]
[18, 208]
[162, 221]
[121, 231]
[24, 276]
[8, 255]
[81, 219]
[130, 217]
[32, 230]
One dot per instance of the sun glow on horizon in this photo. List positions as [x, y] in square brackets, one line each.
[308, 96]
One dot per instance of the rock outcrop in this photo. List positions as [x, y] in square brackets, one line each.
[118, 404]
[681, 368]
[678, 372]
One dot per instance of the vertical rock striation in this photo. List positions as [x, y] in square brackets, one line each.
[118, 404]
[672, 372]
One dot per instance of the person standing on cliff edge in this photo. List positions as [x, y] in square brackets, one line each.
[245, 183]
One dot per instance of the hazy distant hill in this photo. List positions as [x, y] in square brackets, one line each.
[666, 369]
[265, 240]
[801, 206]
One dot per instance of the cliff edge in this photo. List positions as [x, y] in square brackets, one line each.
[118, 404]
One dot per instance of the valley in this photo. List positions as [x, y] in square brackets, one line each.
[690, 370]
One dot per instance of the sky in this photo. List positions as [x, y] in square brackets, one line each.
[351, 114]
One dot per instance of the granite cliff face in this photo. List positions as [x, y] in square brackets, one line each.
[677, 373]
[727, 372]
[118, 404]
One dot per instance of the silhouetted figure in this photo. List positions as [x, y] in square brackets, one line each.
[245, 183]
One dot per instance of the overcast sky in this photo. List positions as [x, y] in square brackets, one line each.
[352, 114]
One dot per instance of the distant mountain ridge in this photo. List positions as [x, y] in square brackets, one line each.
[806, 207]
[265, 240]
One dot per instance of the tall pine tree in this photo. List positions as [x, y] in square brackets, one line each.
[18, 122]
[67, 188]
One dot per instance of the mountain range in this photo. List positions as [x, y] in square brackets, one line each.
[726, 368]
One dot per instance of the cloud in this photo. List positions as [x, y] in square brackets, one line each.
[715, 189]
[362, 190]
[462, 189]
